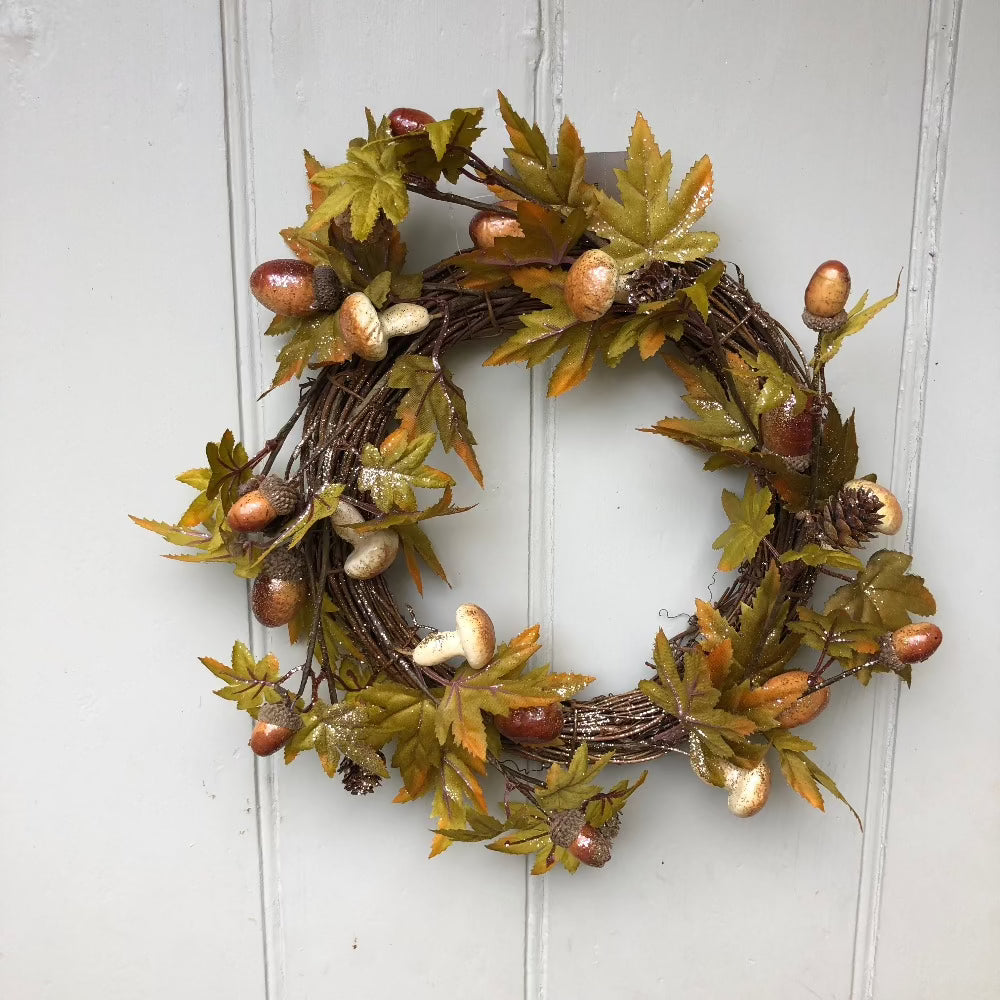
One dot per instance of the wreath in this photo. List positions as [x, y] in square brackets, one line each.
[558, 266]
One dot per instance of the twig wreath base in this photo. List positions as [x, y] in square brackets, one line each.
[558, 267]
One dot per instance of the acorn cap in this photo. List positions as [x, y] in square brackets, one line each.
[283, 496]
[565, 826]
[284, 564]
[279, 713]
[328, 288]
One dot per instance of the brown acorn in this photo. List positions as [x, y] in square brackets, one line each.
[403, 121]
[789, 434]
[486, 227]
[788, 693]
[532, 726]
[565, 826]
[914, 643]
[591, 285]
[256, 509]
[285, 287]
[826, 295]
[591, 847]
[280, 590]
[276, 724]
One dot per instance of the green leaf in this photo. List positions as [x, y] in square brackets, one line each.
[857, 320]
[391, 471]
[316, 340]
[434, 402]
[607, 804]
[457, 787]
[647, 224]
[370, 182]
[838, 455]
[335, 730]
[321, 506]
[838, 635]
[442, 148]
[778, 385]
[883, 593]
[230, 468]
[802, 774]
[246, 680]
[571, 786]
[560, 183]
[816, 555]
[750, 523]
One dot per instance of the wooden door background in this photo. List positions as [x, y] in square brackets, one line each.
[149, 153]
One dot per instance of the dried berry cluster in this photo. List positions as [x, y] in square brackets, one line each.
[558, 268]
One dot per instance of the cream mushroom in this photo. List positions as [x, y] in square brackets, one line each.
[891, 514]
[366, 331]
[373, 551]
[592, 284]
[748, 787]
[473, 638]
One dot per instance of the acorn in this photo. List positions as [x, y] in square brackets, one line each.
[404, 121]
[591, 285]
[789, 434]
[285, 287]
[280, 590]
[914, 643]
[486, 227]
[591, 847]
[276, 724]
[826, 295]
[535, 725]
[269, 499]
[789, 693]
[565, 826]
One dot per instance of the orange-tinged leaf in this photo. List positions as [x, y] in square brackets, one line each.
[719, 661]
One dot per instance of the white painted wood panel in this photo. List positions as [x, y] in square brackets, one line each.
[941, 895]
[154, 856]
[129, 861]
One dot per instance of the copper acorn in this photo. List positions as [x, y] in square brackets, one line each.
[256, 509]
[532, 726]
[285, 287]
[403, 121]
[486, 227]
[788, 434]
[916, 642]
[591, 285]
[828, 290]
[280, 590]
[788, 696]
[276, 724]
[591, 847]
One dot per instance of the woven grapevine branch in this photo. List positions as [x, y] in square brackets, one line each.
[561, 268]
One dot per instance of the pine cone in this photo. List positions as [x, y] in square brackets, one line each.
[655, 282]
[356, 779]
[849, 520]
[565, 826]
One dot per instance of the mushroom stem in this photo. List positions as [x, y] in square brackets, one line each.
[372, 553]
[473, 638]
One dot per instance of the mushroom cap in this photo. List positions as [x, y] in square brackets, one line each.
[343, 517]
[373, 555]
[476, 634]
[891, 513]
[361, 327]
[591, 285]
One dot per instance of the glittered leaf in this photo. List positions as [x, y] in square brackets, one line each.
[391, 471]
[230, 468]
[857, 320]
[246, 680]
[750, 524]
[802, 774]
[816, 555]
[883, 593]
[838, 635]
[571, 786]
[316, 340]
[334, 731]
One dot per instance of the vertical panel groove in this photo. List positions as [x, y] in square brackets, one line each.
[932, 154]
[547, 100]
[239, 159]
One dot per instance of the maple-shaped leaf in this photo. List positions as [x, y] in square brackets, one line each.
[527, 831]
[315, 340]
[603, 806]
[549, 331]
[883, 593]
[230, 468]
[456, 787]
[247, 680]
[750, 523]
[370, 182]
[391, 471]
[802, 774]
[838, 635]
[778, 386]
[648, 224]
[202, 509]
[496, 689]
[571, 786]
[442, 148]
[335, 730]
[399, 713]
[559, 182]
[413, 538]
[817, 555]
[719, 423]
[434, 402]
[857, 320]
[546, 241]
[692, 700]
[656, 322]
[838, 455]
